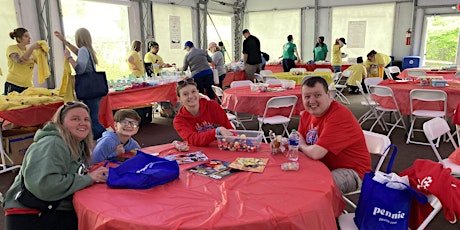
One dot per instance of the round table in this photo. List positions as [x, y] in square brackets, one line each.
[233, 76]
[275, 199]
[446, 74]
[402, 90]
[243, 100]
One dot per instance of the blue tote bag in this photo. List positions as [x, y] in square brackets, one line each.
[381, 207]
[143, 171]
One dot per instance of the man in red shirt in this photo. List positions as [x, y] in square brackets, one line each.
[330, 133]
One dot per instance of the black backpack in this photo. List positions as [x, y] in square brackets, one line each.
[266, 56]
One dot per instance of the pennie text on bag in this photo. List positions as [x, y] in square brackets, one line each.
[382, 207]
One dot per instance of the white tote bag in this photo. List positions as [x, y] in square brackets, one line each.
[216, 76]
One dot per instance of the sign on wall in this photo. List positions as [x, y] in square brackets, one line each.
[356, 34]
[174, 32]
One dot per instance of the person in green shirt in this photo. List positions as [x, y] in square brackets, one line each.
[320, 50]
[222, 49]
[289, 58]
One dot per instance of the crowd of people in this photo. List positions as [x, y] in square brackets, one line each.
[57, 164]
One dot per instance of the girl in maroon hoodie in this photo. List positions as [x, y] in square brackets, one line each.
[199, 120]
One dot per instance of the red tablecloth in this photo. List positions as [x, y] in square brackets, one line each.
[274, 199]
[456, 117]
[243, 100]
[309, 67]
[402, 90]
[134, 97]
[233, 76]
[447, 74]
[31, 116]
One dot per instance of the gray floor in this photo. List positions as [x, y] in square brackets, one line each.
[160, 131]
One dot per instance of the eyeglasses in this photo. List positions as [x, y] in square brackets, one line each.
[185, 82]
[129, 123]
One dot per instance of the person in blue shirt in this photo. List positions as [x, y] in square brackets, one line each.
[264, 61]
[120, 141]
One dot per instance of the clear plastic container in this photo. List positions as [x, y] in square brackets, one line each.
[259, 87]
[288, 84]
[241, 141]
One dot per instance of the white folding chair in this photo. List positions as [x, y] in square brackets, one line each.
[388, 74]
[231, 117]
[434, 129]
[371, 81]
[259, 78]
[346, 74]
[300, 70]
[437, 206]
[275, 103]
[457, 75]
[394, 69]
[322, 70]
[376, 144]
[265, 73]
[371, 113]
[204, 96]
[240, 83]
[339, 88]
[273, 82]
[383, 91]
[346, 220]
[425, 95]
[266, 78]
[416, 73]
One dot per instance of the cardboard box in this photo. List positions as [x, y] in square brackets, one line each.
[16, 142]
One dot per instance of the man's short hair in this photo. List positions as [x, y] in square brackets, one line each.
[245, 31]
[359, 60]
[311, 82]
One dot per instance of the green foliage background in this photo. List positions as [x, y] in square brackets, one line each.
[442, 39]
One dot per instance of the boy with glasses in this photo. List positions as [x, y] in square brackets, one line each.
[120, 141]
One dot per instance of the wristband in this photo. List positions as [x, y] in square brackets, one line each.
[217, 131]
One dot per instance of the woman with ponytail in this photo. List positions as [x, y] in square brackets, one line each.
[20, 62]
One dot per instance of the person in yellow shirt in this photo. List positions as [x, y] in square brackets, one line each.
[375, 64]
[152, 57]
[136, 66]
[336, 61]
[359, 74]
[20, 62]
